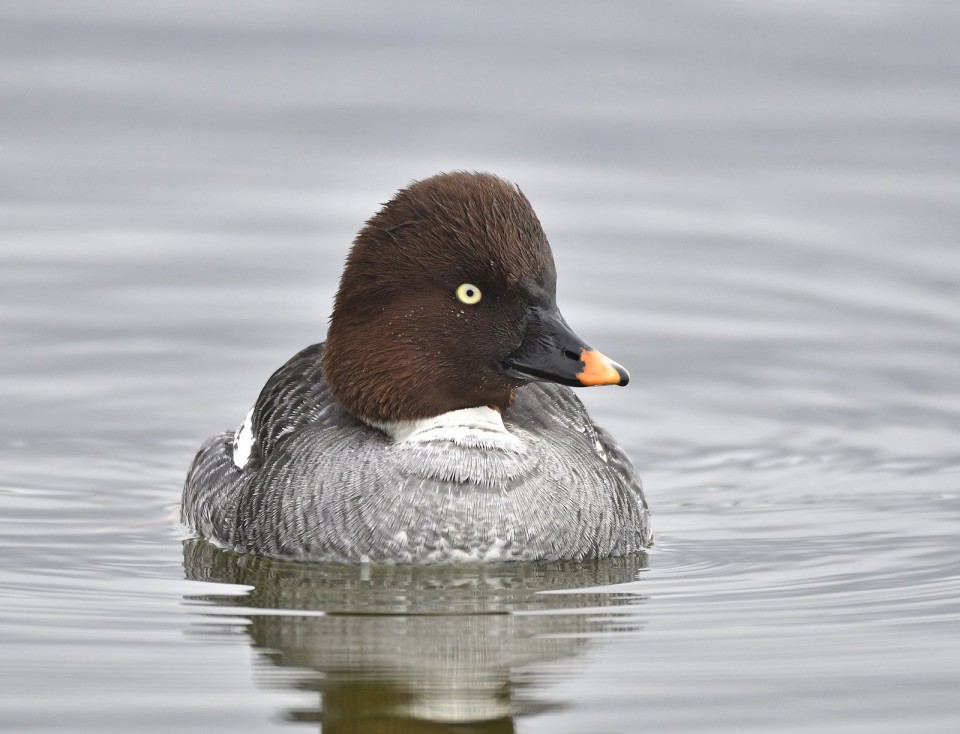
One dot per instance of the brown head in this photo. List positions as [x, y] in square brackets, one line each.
[448, 301]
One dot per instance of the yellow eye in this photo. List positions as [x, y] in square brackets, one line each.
[468, 293]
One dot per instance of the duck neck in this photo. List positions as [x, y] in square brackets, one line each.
[480, 427]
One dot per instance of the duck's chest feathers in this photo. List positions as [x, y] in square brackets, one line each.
[470, 447]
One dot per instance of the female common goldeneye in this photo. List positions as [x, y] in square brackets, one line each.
[434, 424]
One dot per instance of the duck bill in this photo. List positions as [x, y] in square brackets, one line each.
[550, 351]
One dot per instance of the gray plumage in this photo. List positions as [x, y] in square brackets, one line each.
[321, 485]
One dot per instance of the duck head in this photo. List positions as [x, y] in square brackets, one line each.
[448, 301]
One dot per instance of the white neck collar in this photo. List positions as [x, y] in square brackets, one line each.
[474, 427]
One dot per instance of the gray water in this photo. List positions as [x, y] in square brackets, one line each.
[755, 207]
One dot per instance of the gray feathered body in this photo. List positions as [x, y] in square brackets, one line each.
[321, 485]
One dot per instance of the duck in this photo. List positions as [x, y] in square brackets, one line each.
[436, 423]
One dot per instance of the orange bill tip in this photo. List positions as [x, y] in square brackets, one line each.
[599, 369]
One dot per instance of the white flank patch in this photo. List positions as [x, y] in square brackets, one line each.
[243, 441]
[474, 427]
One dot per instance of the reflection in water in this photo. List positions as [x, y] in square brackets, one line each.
[417, 648]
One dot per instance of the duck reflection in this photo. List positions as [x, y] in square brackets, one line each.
[417, 648]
